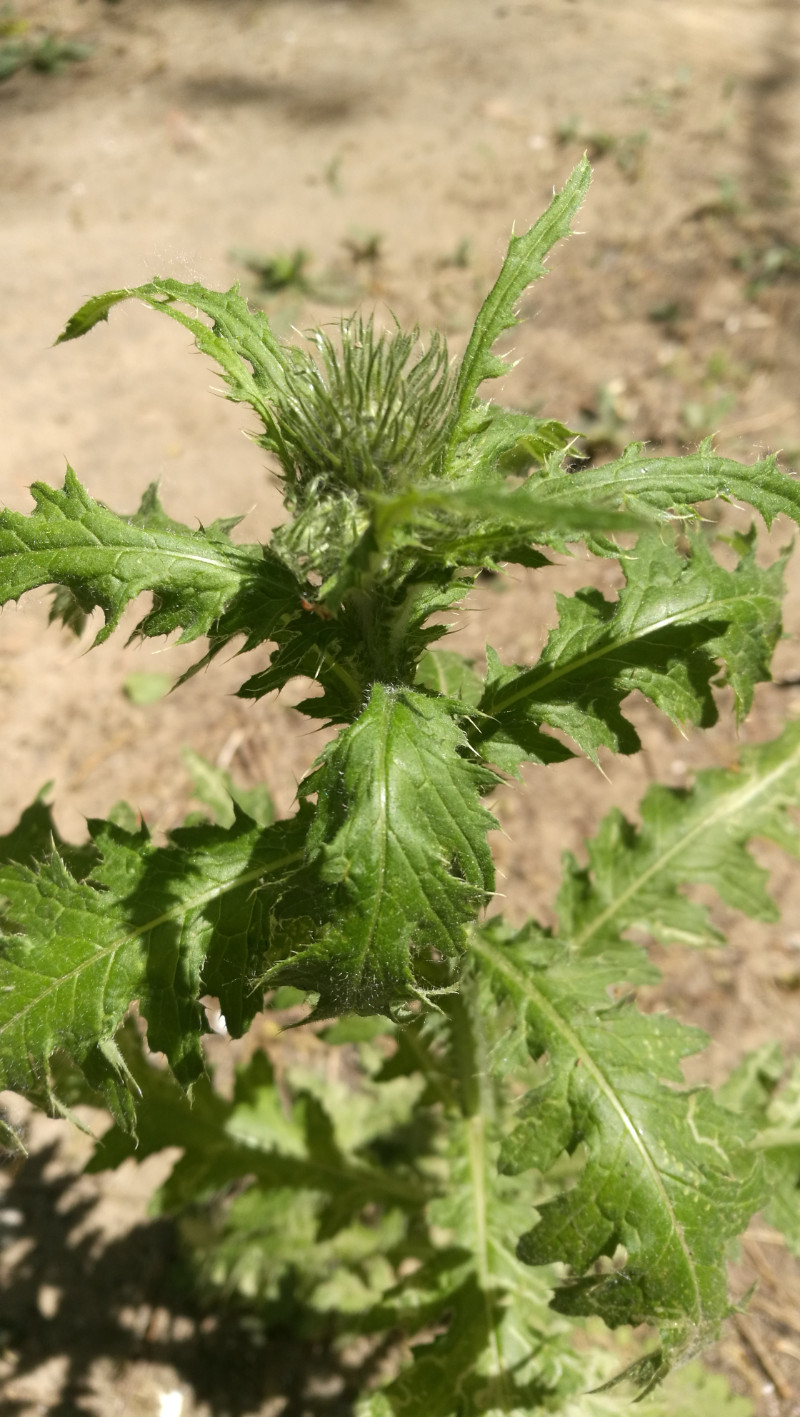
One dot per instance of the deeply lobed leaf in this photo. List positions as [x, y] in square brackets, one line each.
[490, 1353]
[240, 340]
[688, 836]
[676, 619]
[484, 1342]
[284, 1195]
[399, 851]
[164, 925]
[767, 1093]
[202, 583]
[284, 1138]
[668, 1175]
[673, 486]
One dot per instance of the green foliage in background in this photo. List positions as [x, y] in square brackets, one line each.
[23, 46]
[505, 1156]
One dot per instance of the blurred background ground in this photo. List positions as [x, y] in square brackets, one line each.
[393, 143]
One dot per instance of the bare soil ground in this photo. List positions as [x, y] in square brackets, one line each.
[395, 141]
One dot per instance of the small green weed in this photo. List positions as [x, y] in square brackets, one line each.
[25, 47]
[278, 272]
[701, 417]
[767, 263]
[628, 149]
[603, 425]
[364, 245]
[460, 256]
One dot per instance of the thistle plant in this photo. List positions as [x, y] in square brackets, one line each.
[515, 1149]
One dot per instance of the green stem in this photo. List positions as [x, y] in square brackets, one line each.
[435, 1077]
[469, 1048]
[466, 1050]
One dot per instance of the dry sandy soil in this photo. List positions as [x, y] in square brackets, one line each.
[396, 141]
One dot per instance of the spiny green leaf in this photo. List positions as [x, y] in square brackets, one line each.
[498, 1354]
[33, 838]
[164, 925]
[400, 853]
[471, 523]
[325, 650]
[287, 1134]
[503, 443]
[668, 1174]
[524, 263]
[201, 582]
[674, 621]
[673, 486]
[240, 340]
[689, 836]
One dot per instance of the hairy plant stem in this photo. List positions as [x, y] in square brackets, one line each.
[477, 1108]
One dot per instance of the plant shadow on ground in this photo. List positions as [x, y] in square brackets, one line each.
[133, 1300]
[325, 99]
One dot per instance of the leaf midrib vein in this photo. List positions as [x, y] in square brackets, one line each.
[220, 562]
[729, 806]
[620, 481]
[503, 702]
[383, 794]
[180, 908]
[557, 1021]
